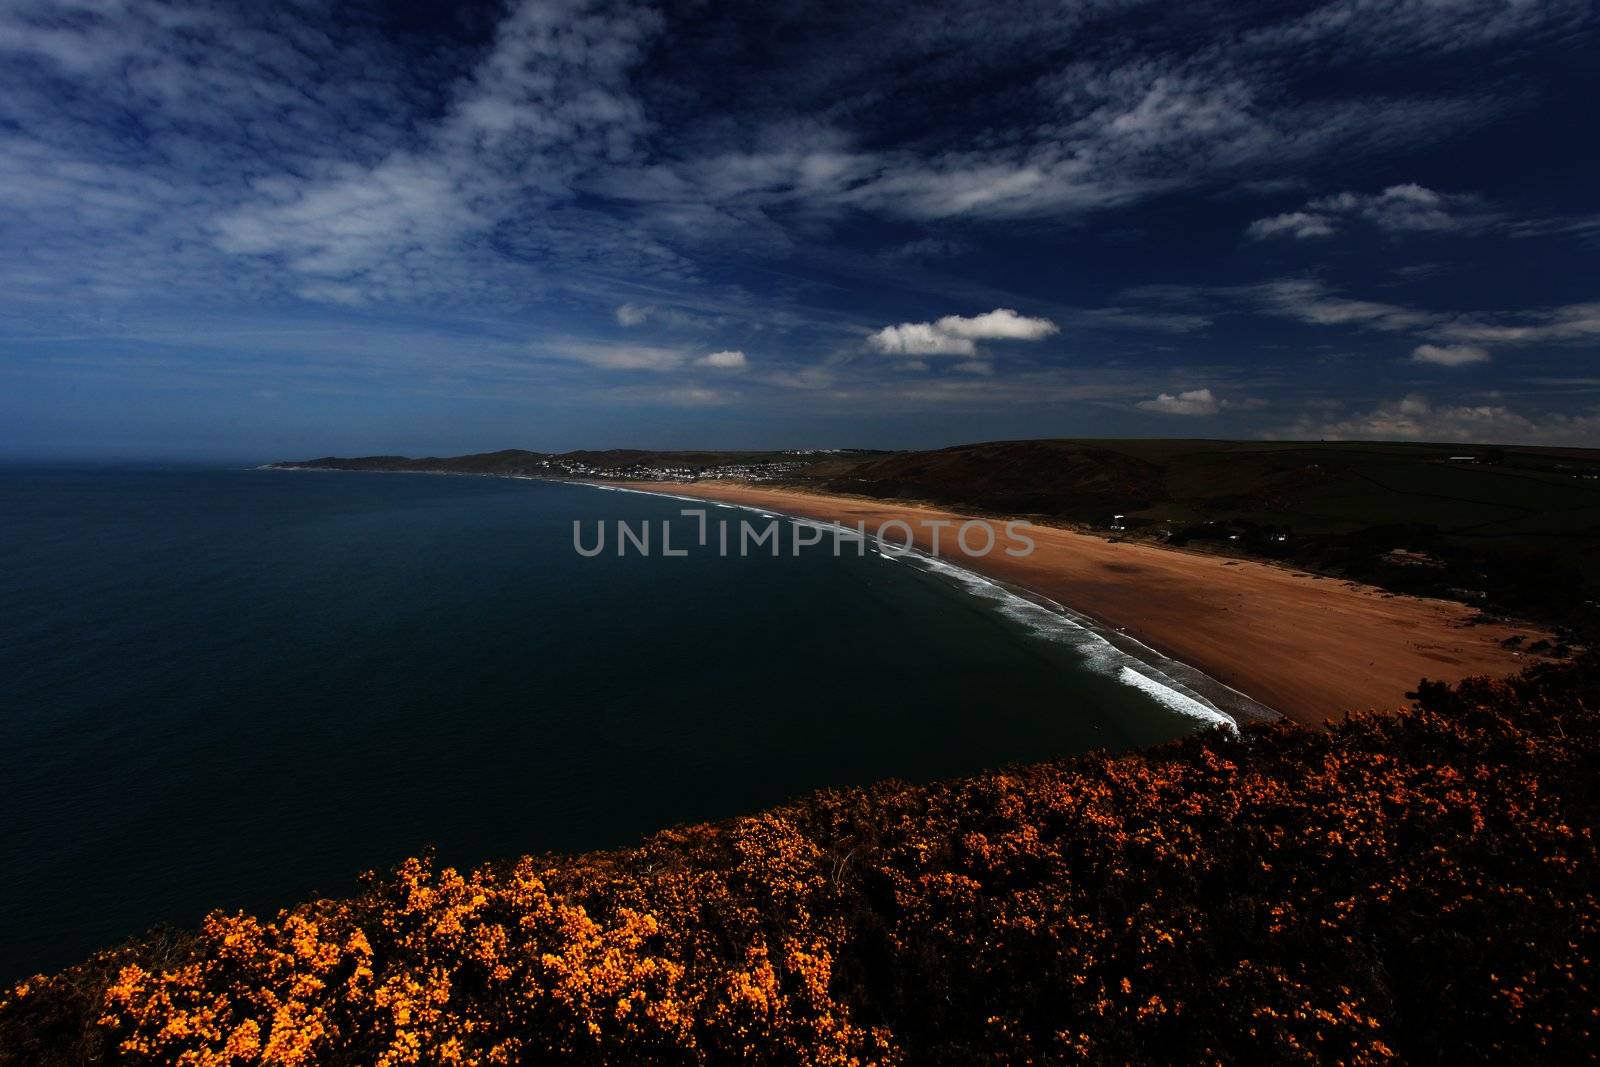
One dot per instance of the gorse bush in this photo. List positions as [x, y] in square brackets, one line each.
[1419, 886]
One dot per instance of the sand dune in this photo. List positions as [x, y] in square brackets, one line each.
[1309, 647]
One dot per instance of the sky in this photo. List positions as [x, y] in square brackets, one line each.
[267, 231]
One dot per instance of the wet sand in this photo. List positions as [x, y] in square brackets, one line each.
[1312, 648]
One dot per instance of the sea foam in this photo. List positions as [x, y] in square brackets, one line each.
[1174, 685]
[1168, 682]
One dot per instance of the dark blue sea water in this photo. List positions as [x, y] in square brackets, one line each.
[237, 688]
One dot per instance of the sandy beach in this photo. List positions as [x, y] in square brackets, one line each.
[1312, 648]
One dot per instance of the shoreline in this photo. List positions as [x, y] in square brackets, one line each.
[1308, 647]
[1181, 686]
[1302, 646]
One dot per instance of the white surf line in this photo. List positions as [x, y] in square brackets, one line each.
[1145, 658]
[1154, 676]
[1144, 654]
[1147, 670]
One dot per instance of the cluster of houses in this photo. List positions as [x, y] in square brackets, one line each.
[751, 472]
[643, 472]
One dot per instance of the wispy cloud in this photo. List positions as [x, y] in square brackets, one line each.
[1406, 208]
[1450, 355]
[309, 159]
[731, 360]
[1417, 418]
[622, 357]
[1300, 224]
[631, 314]
[614, 201]
[1313, 302]
[1574, 323]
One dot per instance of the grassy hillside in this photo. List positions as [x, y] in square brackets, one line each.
[1415, 887]
[1514, 529]
[1079, 480]
[1501, 497]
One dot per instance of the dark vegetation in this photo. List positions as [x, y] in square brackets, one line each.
[1513, 530]
[1509, 529]
[1418, 886]
[1077, 481]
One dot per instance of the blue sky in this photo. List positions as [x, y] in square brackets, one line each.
[278, 230]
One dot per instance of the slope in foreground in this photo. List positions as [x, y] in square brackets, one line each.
[1417, 886]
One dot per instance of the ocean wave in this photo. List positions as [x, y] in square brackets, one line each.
[1175, 686]
[1157, 676]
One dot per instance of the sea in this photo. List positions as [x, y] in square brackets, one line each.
[240, 688]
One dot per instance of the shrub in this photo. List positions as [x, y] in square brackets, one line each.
[1410, 886]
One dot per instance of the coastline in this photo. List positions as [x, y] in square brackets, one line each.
[1310, 647]
[1180, 686]
[1305, 647]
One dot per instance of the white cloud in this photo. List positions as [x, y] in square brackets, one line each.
[1572, 323]
[1120, 127]
[1399, 208]
[302, 155]
[1440, 338]
[493, 173]
[954, 335]
[1297, 224]
[730, 360]
[920, 339]
[1582, 226]
[1450, 355]
[1370, 30]
[1123, 124]
[307, 156]
[688, 396]
[630, 357]
[1407, 207]
[997, 325]
[617, 357]
[1189, 402]
[1415, 418]
[673, 318]
[1313, 302]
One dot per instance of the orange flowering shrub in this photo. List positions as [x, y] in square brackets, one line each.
[1417, 886]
